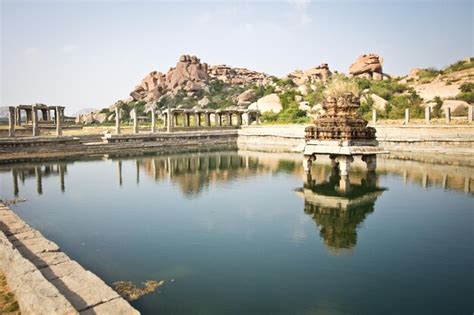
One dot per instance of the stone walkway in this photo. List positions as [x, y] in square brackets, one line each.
[45, 280]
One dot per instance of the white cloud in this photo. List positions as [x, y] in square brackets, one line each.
[31, 51]
[299, 4]
[68, 48]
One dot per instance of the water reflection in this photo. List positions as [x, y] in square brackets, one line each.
[39, 171]
[195, 172]
[339, 205]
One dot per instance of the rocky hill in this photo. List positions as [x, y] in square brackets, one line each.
[298, 96]
[191, 76]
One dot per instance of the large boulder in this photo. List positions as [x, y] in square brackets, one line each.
[458, 108]
[245, 96]
[269, 103]
[319, 73]
[367, 66]
[379, 102]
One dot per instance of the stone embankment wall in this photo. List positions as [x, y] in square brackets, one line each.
[422, 143]
[47, 281]
[225, 139]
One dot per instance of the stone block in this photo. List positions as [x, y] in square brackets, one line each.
[41, 260]
[84, 289]
[118, 306]
[61, 270]
[35, 246]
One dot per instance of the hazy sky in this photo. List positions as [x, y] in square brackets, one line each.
[91, 53]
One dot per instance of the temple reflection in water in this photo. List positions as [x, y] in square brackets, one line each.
[193, 172]
[339, 205]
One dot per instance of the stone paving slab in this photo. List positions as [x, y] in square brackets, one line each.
[36, 245]
[61, 270]
[116, 307]
[42, 260]
[84, 289]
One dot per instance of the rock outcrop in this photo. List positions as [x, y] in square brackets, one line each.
[190, 75]
[319, 73]
[369, 66]
[237, 76]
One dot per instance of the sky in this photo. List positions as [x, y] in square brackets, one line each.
[83, 54]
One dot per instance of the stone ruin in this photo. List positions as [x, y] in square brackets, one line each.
[341, 122]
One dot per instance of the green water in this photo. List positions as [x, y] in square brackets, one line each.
[249, 233]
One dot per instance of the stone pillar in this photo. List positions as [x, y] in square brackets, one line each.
[34, 115]
[15, 182]
[197, 119]
[18, 116]
[344, 164]
[470, 113]
[61, 177]
[218, 119]
[407, 116]
[257, 117]
[137, 167]
[444, 181]
[135, 121]
[119, 164]
[153, 122]
[371, 161]
[184, 118]
[467, 184]
[39, 180]
[447, 112]
[248, 118]
[59, 127]
[344, 184]
[239, 119]
[229, 119]
[11, 121]
[207, 118]
[117, 120]
[427, 114]
[424, 180]
[374, 116]
[308, 162]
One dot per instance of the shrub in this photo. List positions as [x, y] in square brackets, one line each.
[436, 111]
[467, 92]
[399, 103]
[287, 98]
[460, 65]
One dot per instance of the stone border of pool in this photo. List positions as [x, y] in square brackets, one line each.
[45, 280]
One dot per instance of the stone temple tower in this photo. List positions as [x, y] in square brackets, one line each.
[342, 134]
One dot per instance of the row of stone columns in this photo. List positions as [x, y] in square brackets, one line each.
[202, 118]
[15, 119]
[343, 162]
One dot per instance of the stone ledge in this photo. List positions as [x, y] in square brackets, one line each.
[45, 280]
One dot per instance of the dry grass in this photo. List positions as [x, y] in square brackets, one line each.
[339, 86]
[8, 304]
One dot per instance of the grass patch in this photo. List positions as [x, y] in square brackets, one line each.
[8, 304]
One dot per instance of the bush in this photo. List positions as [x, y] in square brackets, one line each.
[399, 103]
[467, 92]
[437, 112]
[287, 98]
[460, 65]
[387, 88]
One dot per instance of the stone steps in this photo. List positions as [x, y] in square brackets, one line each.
[45, 280]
